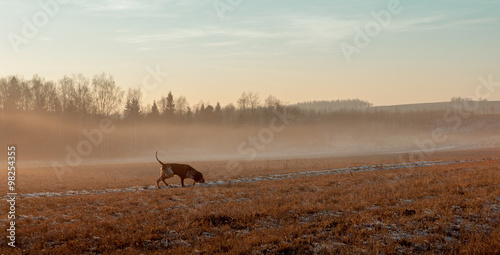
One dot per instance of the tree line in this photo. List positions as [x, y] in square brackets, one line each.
[99, 96]
[78, 96]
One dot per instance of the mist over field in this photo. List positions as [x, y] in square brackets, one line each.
[78, 121]
[191, 142]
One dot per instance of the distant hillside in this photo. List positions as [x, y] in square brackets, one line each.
[334, 105]
[485, 107]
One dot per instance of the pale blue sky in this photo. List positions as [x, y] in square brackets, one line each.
[430, 51]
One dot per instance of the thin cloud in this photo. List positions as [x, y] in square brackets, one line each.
[416, 23]
[45, 39]
[183, 35]
[129, 8]
[319, 32]
[313, 32]
[113, 5]
[438, 22]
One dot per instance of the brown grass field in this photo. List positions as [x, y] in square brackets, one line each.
[441, 209]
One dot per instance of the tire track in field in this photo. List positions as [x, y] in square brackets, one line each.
[356, 169]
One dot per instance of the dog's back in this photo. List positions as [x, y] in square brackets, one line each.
[187, 171]
[181, 170]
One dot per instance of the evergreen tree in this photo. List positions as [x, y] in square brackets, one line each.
[132, 109]
[208, 114]
[218, 113]
[155, 113]
[133, 106]
[170, 107]
[189, 114]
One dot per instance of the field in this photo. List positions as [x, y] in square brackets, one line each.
[363, 205]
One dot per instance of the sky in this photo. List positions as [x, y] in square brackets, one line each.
[383, 51]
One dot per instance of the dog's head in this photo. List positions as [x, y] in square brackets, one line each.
[198, 177]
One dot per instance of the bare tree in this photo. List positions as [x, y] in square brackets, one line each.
[272, 102]
[229, 113]
[52, 103]
[3, 92]
[243, 101]
[81, 94]
[38, 93]
[43, 94]
[253, 100]
[108, 96]
[181, 105]
[162, 104]
[248, 100]
[26, 100]
[66, 91]
[11, 93]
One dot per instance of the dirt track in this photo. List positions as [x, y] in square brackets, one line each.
[379, 167]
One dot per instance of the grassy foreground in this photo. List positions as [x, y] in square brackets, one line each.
[437, 209]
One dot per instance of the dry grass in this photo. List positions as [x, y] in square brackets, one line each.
[108, 176]
[439, 209]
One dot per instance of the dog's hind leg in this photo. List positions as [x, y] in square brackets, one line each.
[158, 182]
[163, 180]
[182, 182]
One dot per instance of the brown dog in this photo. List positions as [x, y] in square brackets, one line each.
[182, 170]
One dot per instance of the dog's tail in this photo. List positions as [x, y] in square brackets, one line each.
[158, 159]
